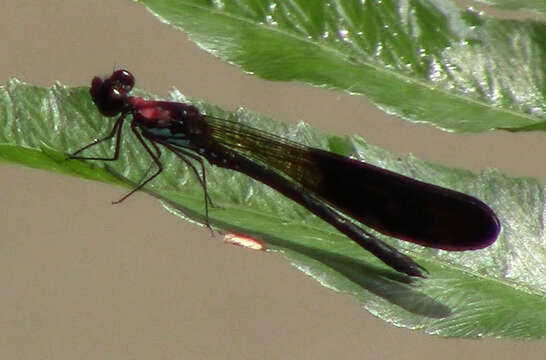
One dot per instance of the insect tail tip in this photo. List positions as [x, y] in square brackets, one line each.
[418, 271]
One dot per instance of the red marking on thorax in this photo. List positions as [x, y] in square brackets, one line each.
[151, 112]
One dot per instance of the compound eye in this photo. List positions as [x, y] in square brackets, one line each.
[115, 93]
[124, 79]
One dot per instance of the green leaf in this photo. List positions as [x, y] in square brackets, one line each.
[499, 291]
[425, 61]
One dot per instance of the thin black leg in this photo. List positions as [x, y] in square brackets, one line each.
[154, 157]
[181, 153]
[116, 131]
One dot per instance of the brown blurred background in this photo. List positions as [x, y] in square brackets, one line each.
[82, 279]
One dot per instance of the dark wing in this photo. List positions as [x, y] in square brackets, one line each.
[390, 203]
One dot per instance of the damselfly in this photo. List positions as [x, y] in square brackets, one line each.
[325, 183]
